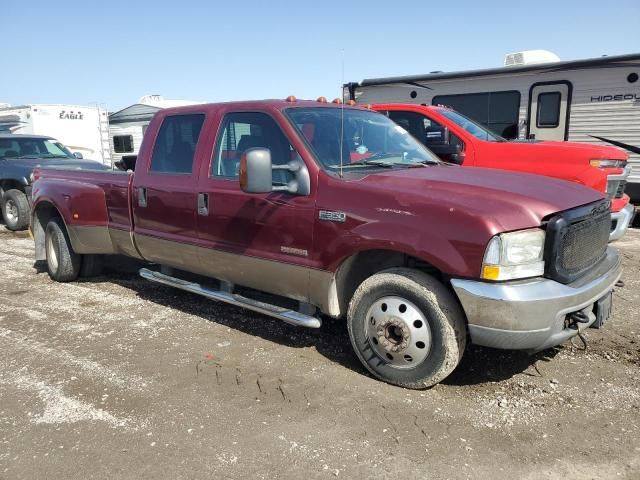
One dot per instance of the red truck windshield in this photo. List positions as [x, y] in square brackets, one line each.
[470, 126]
[357, 139]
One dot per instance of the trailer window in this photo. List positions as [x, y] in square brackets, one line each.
[176, 143]
[548, 110]
[497, 111]
[123, 143]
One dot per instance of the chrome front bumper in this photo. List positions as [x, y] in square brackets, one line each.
[620, 221]
[530, 314]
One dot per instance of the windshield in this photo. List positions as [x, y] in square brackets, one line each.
[368, 140]
[470, 126]
[21, 147]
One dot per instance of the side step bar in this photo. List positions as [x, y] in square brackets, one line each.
[289, 316]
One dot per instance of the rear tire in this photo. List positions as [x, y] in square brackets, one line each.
[91, 266]
[406, 328]
[63, 264]
[16, 211]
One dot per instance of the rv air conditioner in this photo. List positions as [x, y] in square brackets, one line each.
[530, 57]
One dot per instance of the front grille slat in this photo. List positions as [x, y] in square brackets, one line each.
[577, 241]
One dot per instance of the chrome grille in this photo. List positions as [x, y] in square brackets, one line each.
[577, 241]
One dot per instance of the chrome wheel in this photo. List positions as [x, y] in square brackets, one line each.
[11, 211]
[398, 332]
[52, 254]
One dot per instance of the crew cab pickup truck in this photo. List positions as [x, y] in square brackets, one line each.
[19, 155]
[458, 139]
[266, 205]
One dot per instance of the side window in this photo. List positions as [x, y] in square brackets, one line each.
[427, 131]
[244, 130]
[123, 143]
[176, 143]
[548, 110]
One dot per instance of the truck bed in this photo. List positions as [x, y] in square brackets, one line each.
[93, 200]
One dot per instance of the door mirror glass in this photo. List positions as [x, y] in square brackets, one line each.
[78, 155]
[255, 171]
[256, 174]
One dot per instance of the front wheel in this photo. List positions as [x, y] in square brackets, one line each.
[15, 210]
[406, 328]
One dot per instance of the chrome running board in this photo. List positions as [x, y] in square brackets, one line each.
[286, 315]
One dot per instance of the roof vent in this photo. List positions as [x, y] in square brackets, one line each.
[529, 57]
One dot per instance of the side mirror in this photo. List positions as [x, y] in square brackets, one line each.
[78, 155]
[256, 174]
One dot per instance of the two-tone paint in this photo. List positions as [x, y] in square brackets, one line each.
[313, 248]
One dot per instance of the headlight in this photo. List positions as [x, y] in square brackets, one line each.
[514, 255]
[605, 163]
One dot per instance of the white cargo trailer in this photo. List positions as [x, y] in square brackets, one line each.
[83, 129]
[534, 95]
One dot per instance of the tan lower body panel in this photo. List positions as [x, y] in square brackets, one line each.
[278, 278]
[88, 240]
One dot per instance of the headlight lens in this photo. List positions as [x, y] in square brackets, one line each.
[514, 255]
[606, 163]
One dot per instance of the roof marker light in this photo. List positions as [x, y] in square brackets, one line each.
[336, 101]
[292, 98]
[322, 100]
[351, 102]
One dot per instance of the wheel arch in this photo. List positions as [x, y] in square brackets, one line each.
[7, 184]
[359, 266]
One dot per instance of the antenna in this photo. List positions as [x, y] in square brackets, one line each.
[342, 116]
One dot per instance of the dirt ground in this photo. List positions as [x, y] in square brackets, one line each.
[120, 378]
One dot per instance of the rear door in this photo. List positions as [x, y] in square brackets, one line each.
[164, 193]
[549, 111]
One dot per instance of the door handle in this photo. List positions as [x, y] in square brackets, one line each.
[142, 197]
[203, 204]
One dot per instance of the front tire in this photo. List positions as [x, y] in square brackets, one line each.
[406, 328]
[63, 264]
[16, 211]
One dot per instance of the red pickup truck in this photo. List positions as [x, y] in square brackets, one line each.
[272, 208]
[458, 139]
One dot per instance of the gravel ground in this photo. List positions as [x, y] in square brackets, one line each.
[120, 378]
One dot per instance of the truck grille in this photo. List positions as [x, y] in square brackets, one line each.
[615, 188]
[577, 241]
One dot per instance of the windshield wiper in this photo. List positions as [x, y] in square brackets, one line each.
[367, 161]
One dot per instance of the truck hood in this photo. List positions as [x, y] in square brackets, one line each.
[561, 151]
[504, 200]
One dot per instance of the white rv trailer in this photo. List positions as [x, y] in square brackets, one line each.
[83, 129]
[533, 96]
[127, 126]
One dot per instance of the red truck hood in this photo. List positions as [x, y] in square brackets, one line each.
[561, 151]
[505, 200]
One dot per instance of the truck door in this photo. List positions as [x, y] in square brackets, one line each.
[549, 111]
[261, 241]
[164, 193]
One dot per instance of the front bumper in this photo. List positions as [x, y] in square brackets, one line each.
[530, 314]
[620, 221]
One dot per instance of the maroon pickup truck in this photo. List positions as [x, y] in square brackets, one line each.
[272, 207]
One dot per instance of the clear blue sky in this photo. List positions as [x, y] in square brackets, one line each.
[113, 52]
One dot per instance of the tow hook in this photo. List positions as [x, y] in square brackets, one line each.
[575, 318]
[579, 317]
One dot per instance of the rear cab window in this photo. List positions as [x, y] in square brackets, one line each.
[175, 145]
